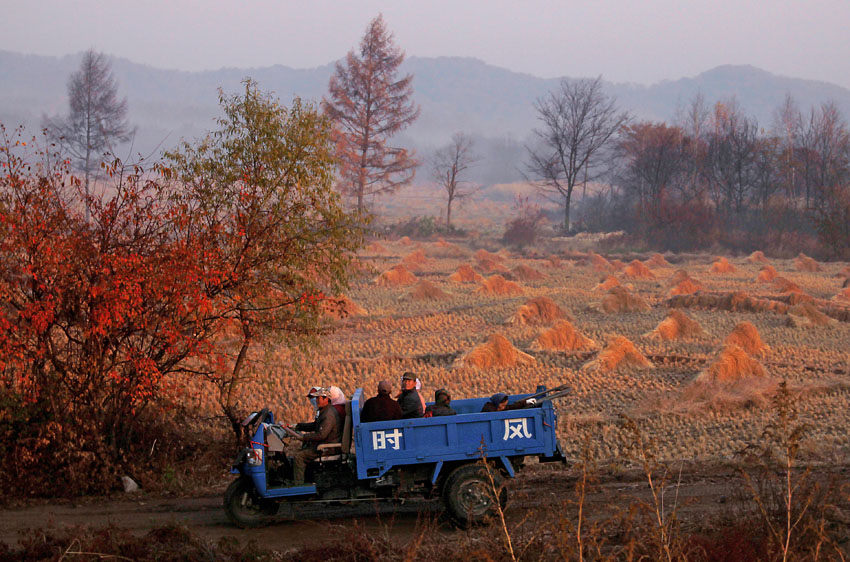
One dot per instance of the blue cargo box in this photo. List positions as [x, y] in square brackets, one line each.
[381, 446]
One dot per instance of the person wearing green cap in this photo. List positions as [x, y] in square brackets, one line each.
[409, 400]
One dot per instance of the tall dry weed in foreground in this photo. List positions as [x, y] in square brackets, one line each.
[794, 506]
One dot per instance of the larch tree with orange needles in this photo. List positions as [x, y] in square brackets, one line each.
[368, 105]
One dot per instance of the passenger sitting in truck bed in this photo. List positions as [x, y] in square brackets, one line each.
[440, 407]
[409, 400]
[381, 407]
[338, 401]
[499, 402]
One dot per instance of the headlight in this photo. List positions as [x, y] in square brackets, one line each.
[255, 457]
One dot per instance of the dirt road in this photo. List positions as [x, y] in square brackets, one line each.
[534, 493]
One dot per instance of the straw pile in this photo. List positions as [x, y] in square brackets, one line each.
[483, 254]
[599, 263]
[757, 257]
[786, 285]
[488, 265]
[618, 299]
[746, 337]
[376, 248]
[341, 307]
[553, 261]
[426, 291]
[732, 364]
[496, 352]
[465, 274]
[657, 260]
[526, 273]
[767, 274]
[843, 295]
[678, 277]
[396, 276]
[806, 315]
[620, 353]
[539, 310]
[733, 380]
[415, 260]
[606, 284]
[618, 265]
[562, 337]
[498, 285]
[638, 270]
[405, 241]
[732, 302]
[722, 266]
[686, 287]
[804, 263]
[676, 326]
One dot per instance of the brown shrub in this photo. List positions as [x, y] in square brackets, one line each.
[426, 291]
[619, 299]
[465, 274]
[526, 273]
[757, 257]
[539, 310]
[686, 287]
[637, 270]
[804, 263]
[786, 285]
[498, 285]
[676, 326]
[722, 266]
[657, 260]
[767, 274]
[342, 307]
[619, 353]
[732, 364]
[496, 352]
[396, 276]
[607, 283]
[562, 337]
[805, 314]
[746, 337]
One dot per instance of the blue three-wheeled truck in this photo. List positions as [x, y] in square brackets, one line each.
[462, 458]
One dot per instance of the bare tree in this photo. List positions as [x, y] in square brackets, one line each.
[578, 121]
[97, 117]
[448, 165]
[368, 106]
[693, 120]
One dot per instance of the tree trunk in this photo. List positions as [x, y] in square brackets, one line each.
[449, 215]
[567, 198]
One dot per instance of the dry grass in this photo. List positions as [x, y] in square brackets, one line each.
[397, 276]
[745, 336]
[757, 257]
[465, 274]
[804, 263]
[539, 310]
[562, 337]
[676, 326]
[620, 300]
[637, 270]
[497, 352]
[722, 265]
[499, 286]
[767, 274]
[806, 315]
[426, 291]
[620, 353]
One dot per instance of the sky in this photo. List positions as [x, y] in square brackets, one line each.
[640, 41]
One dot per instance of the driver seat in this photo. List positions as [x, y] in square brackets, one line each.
[338, 451]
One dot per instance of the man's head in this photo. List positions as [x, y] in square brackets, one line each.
[384, 387]
[442, 396]
[408, 381]
[321, 395]
[499, 400]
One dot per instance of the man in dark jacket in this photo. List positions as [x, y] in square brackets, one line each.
[326, 429]
[440, 407]
[411, 404]
[381, 407]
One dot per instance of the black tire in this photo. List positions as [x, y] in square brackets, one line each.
[244, 507]
[470, 497]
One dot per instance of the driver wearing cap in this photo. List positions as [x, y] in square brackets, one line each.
[326, 429]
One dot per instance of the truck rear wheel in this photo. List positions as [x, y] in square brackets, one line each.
[244, 507]
[470, 496]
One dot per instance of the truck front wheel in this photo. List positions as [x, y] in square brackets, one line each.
[244, 507]
[471, 496]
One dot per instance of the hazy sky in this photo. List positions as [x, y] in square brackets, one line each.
[640, 41]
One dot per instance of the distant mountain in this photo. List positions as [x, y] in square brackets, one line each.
[492, 103]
